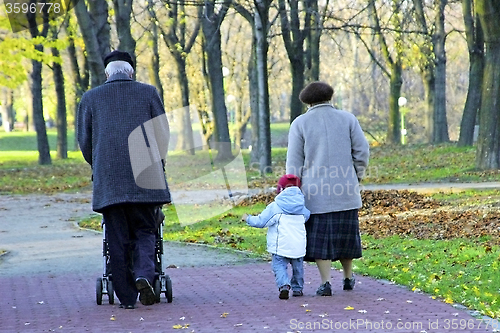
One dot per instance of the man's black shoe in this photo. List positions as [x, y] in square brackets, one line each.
[128, 307]
[146, 293]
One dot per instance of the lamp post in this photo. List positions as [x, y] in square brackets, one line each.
[402, 102]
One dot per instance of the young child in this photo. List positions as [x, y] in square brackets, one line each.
[286, 234]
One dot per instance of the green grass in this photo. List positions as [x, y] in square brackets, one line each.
[455, 271]
[425, 163]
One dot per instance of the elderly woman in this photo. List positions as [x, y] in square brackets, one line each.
[328, 151]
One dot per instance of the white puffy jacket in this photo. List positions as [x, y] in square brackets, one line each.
[284, 218]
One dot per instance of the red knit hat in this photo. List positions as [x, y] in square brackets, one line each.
[287, 181]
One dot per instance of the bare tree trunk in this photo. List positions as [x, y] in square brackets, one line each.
[185, 139]
[396, 81]
[428, 70]
[28, 119]
[293, 37]
[254, 102]
[211, 22]
[7, 107]
[440, 121]
[488, 147]
[123, 10]
[154, 68]
[36, 89]
[429, 83]
[61, 122]
[261, 25]
[179, 45]
[313, 29]
[394, 63]
[475, 43]
[98, 10]
[79, 83]
[92, 47]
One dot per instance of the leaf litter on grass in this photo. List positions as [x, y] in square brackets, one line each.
[426, 218]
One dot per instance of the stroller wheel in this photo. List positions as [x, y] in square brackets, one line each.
[98, 291]
[157, 288]
[111, 293]
[168, 292]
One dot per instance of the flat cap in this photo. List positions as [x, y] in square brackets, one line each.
[118, 56]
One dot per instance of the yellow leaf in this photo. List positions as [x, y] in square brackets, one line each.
[448, 300]
[308, 310]
[177, 327]
[224, 315]
[348, 308]
[112, 318]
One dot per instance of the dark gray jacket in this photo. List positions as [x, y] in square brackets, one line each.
[107, 116]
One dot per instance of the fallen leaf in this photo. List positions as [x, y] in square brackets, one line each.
[224, 315]
[308, 310]
[348, 308]
[362, 311]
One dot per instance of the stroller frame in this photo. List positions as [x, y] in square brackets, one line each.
[161, 284]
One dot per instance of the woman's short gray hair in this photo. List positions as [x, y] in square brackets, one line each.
[119, 66]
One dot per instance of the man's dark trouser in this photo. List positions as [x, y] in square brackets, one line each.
[131, 234]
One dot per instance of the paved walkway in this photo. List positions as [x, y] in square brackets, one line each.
[47, 284]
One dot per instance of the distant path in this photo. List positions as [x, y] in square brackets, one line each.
[40, 235]
[433, 187]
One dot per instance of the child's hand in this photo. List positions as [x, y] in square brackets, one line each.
[244, 217]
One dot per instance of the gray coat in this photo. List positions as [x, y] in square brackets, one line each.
[328, 151]
[107, 116]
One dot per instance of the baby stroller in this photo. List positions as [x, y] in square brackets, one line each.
[162, 282]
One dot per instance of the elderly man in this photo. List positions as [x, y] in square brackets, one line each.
[123, 135]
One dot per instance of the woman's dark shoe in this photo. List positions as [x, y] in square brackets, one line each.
[325, 289]
[297, 293]
[284, 290]
[349, 283]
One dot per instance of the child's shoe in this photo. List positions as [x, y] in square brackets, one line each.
[349, 283]
[325, 289]
[284, 290]
[297, 293]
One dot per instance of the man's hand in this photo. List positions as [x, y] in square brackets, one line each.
[244, 217]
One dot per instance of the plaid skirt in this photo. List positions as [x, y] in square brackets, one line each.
[333, 236]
